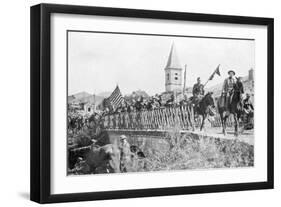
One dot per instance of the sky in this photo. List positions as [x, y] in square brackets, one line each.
[97, 62]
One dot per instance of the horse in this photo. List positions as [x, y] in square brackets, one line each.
[235, 108]
[205, 107]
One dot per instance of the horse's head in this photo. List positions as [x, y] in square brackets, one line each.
[209, 100]
[209, 103]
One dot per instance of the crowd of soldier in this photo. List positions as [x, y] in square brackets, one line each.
[158, 118]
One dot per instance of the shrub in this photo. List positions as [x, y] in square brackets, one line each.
[199, 152]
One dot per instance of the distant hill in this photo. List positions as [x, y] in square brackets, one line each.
[84, 97]
[80, 95]
[70, 99]
[105, 94]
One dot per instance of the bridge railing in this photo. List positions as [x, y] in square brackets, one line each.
[161, 118]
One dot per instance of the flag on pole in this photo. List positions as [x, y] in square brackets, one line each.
[217, 71]
[184, 80]
[116, 98]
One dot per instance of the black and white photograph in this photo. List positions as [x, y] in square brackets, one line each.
[139, 103]
[132, 103]
[155, 102]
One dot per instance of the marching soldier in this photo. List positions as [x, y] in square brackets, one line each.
[228, 88]
[198, 88]
[158, 100]
[171, 101]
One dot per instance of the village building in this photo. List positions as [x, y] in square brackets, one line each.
[82, 102]
[89, 108]
[173, 72]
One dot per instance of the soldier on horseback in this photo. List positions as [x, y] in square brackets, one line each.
[231, 101]
[198, 89]
[228, 89]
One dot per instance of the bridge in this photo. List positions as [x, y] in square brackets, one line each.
[181, 117]
[158, 131]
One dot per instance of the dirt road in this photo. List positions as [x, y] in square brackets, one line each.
[247, 136]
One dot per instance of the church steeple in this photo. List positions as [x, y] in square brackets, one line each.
[173, 61]
[173, 72]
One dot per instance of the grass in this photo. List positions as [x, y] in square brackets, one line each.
[199, 152]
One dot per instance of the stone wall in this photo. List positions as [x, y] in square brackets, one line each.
[160, 139]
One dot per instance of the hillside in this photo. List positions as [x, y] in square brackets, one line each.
[105, 94]
[84, 97]
[80, 95]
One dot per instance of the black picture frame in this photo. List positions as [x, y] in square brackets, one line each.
[41, 99]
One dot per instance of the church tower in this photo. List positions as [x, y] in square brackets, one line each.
[173, 72]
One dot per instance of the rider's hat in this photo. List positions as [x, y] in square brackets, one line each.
[231, 71]
[122, 137]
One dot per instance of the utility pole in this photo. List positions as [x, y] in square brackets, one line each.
[94, 102]
[184, 80]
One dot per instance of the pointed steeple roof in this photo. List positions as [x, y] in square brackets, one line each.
[173, 61]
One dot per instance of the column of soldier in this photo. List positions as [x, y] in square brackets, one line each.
[159, 118]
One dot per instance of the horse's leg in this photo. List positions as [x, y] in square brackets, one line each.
[192, 124]
[191, 117]
[203, 121]
[242, 129]
[221, 118]
[235, 125]
[223, 123]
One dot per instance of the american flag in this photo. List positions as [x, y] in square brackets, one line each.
[116, 98]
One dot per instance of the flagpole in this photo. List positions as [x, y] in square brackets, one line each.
[184, 83]
[206, 82]
[212, 75]
[209, 79]
[94, 102]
